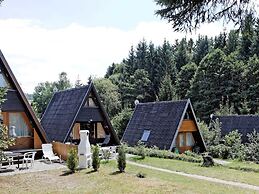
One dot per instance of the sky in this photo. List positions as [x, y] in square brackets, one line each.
[40, 39]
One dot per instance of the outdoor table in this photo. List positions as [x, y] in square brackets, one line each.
[15, 155]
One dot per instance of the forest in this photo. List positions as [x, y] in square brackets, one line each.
[219, 74]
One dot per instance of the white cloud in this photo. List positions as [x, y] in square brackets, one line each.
[37, 54]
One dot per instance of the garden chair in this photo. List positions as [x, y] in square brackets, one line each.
[28, 157]
[48, 153]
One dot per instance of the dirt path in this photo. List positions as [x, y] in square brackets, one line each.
[215, 180]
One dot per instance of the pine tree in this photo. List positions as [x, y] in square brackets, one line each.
[183, 81]
[201, 49]
[181, 54]
[167, 91]
[232, 41]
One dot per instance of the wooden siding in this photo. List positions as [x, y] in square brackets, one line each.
[13, 103]
[188, 126]
[89, 113]
[62, 149]
[22, 143]
[37, 140]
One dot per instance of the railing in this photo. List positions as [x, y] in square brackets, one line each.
[62, 149]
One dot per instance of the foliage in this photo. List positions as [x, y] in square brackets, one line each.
[95, 157]
[43, 92]
[155, 152]
[141, 175]
[109, 95]
[189, 15]
[120, 121]
[121, 160]
[106, 155]
[72, 160]
[141, 150]
[252, 149]
[166, 91]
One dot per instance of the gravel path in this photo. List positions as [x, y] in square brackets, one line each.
[215, 180]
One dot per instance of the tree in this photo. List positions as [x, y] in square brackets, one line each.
[63, 82]
[183, 81]
[232, 41]
[167, 91]
[120, 121]
[189, 15]
[78, 83]
[72, 160]
[96, 159]
[251, 76]
[109, 95]
[201, 49]
[43, 92]
[181, 57]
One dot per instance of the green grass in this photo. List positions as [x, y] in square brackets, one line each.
[108, 180]
[219, 172]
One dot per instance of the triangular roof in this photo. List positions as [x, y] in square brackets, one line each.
[162, 118]
[11, 78]
[243, 123]
[63, 110]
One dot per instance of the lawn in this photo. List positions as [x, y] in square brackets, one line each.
[219, 172]
[107, 180]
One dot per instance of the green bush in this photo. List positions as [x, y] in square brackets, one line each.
[155, 152]
[72, 160]
[252, 147]
[96, 158]
[141, 175]
[141, 150]
[121, 160]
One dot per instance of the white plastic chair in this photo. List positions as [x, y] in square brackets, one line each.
[28, 157]
[48, 153]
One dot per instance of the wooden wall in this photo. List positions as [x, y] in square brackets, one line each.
[188, 126]
[22, 143]
[62, 149]
[37, 140]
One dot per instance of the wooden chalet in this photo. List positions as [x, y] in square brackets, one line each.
[17, 114]
[168, 125]
[243, 123]
[76, 109]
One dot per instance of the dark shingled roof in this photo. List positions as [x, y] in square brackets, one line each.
[61, 112]
[243, 123]
[162, 118]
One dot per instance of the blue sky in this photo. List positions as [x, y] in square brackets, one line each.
[41, 38]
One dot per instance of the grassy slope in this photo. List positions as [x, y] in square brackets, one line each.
[194, 168]
[108, 181]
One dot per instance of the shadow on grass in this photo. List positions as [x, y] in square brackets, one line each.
[4, 170]
[90, 172]
[66, 173]
[137, 158]
[116, 172]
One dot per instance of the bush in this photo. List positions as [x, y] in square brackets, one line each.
[96, 159]
[252, 147]
[72, 160]
[121, 160]
[155, 152]
[141, 150]
[106, 155]
[141, 175]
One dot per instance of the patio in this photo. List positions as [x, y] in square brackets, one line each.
[39, 165]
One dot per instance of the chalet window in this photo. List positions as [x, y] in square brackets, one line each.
[181, 139]
[145, 135]
[3, 82]
[90, 102]
[18, 125]
[189, 139]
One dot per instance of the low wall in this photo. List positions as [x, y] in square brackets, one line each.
[62, 149]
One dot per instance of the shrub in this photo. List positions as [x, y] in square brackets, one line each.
[72, 160]
[141, 150]
[96, 159]
[141, 175]
[252, 147]
[121, 160]
[106, 155]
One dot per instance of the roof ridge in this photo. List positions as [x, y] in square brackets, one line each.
[164, 102]
[71, 89]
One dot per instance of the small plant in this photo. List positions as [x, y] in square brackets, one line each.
[96, 158]
[141, 150]
[141, 175]
[5, 141]
[121, 160]
[72, 160]
[106, 155]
